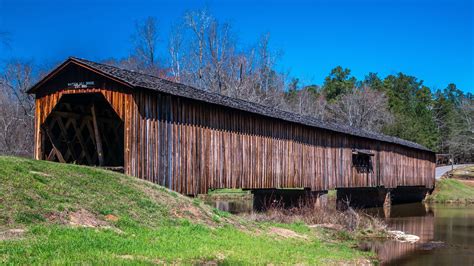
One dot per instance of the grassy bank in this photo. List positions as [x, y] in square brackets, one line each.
[462, 173]
[227, 194]
[56, 214]
[449, 190]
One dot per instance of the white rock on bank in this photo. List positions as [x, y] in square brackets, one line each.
[403, 237]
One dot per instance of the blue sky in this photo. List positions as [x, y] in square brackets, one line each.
[432, 40]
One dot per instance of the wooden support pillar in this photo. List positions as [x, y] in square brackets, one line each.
[55, 150]
[98, 140]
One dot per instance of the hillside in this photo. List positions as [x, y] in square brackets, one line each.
[55, 213]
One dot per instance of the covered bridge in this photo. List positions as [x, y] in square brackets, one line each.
[192, 140]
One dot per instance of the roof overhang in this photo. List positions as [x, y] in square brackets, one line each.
[71, 60]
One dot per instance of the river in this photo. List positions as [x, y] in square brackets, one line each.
[446, 233]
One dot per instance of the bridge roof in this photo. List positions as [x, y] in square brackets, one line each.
[139, 80]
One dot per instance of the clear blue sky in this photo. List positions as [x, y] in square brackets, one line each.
[432, 40]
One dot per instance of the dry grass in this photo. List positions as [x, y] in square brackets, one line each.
[356, 222]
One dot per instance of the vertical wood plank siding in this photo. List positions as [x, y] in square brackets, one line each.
[191, 146]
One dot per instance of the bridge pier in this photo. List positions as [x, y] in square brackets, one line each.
[379, 197]
[363, 197]
[409, 194]
[264, 199]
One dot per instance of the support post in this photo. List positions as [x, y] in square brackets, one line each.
[98, 140]
[54, 151]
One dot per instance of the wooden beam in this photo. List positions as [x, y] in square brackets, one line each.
[98, 140]
[66, 139]
[55, 146]
[81, 141]
[80, 116]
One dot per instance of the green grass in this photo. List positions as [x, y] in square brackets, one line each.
[332, 194]
[227, 193]
[452, 191]
[154, 224]
[187, 243]
[462, 173]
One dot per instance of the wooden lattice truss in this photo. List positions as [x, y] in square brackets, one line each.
[83, 129]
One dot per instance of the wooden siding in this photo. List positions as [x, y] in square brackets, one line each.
[191, 146]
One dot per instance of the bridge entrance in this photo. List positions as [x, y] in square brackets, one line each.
[84, 129]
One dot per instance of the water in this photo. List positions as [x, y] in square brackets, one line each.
[446, 235]
[234, 206]
[446, 232]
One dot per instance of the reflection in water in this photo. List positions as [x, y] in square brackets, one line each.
[446, 235]
[232, 205]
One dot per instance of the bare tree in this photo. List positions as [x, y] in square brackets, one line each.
[16, 110]
[461, 141]
[17, 78]
[362, 108]
[175, 50]
[146, 40]
[467, 114]
[309, 101]
[267, 83]
[221, 49]
[198, 22]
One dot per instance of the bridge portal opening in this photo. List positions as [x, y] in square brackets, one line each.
[84, 129]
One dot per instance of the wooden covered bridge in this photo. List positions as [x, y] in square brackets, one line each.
[192, 140]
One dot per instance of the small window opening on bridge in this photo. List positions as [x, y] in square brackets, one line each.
[362, 160]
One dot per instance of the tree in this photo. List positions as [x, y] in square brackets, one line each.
[454, 115]
[204, 53]
[16, 109]
[412, 106]
[146, 40]
[198, 22]
[16, 80]
[445, 115]
[308, 101]
[373, 81]
[338, 82]
[175, 50]
[363, 108]
[461, 143]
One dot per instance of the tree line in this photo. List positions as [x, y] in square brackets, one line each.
[204, 52]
